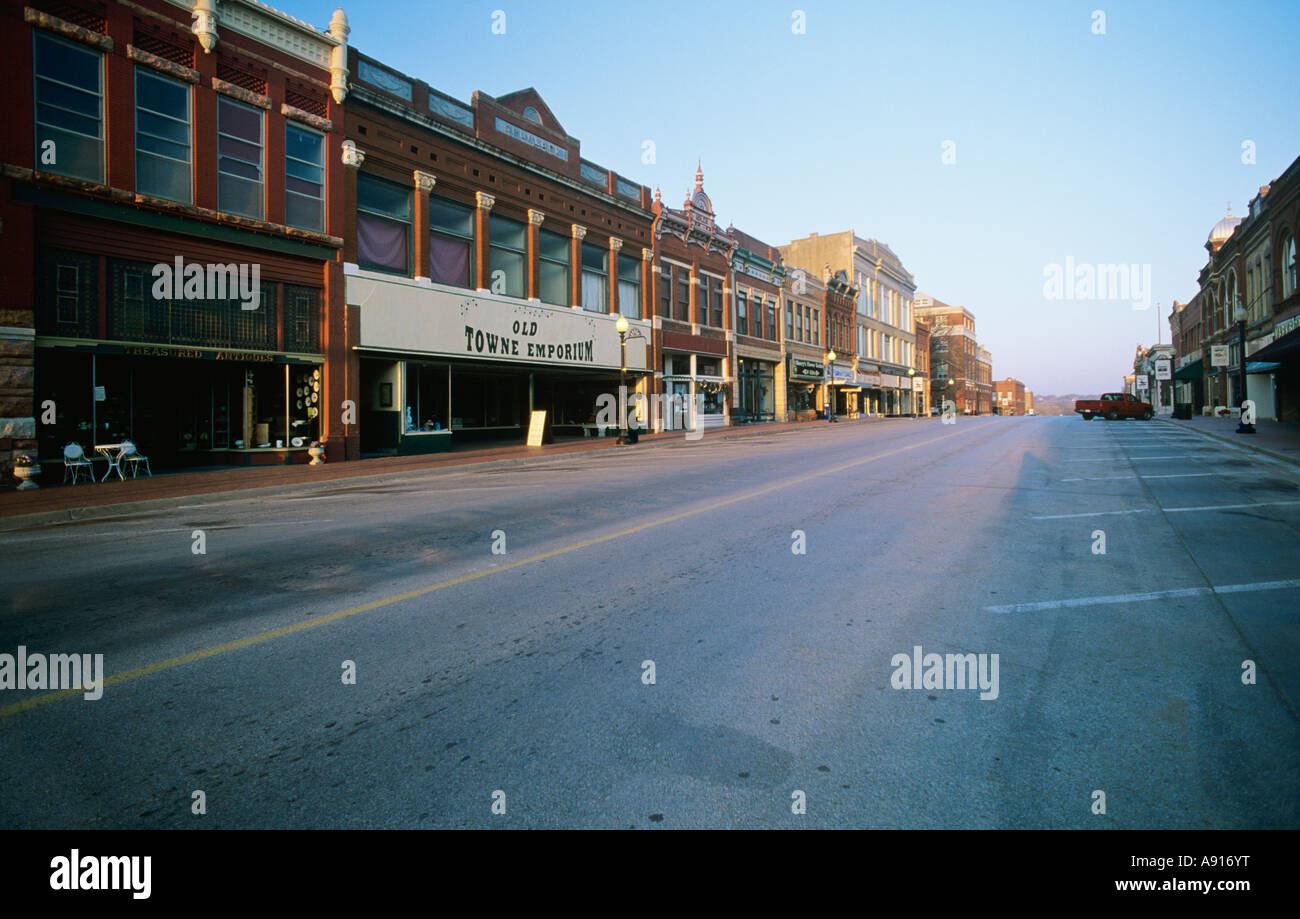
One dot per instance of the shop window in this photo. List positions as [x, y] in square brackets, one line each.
[507, 256]
[306, 399]
[683, 293]
[595, 279]
[426, 398]
[451, 243]
[629, 286]
[69, 109]
[383, 225]
[304, 178]
[239, 158]
[162, 137]
[553, 267]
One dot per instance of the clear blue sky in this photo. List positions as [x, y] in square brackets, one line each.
[1117, 148]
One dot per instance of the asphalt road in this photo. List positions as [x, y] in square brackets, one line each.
[524, 674]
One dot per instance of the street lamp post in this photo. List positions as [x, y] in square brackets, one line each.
[830, 392]
[1239, 314]
[622, 326]
[911, 390]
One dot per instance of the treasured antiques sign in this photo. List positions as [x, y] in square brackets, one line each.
[418, 318]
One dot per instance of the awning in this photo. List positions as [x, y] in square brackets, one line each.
[1261, 366]
[1286, 348]
[1191, 371]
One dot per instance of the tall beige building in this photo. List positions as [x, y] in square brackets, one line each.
[884, 323]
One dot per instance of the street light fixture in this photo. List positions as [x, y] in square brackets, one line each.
[621, 325]
[1239, 314]
[911, 390]
[830, 392]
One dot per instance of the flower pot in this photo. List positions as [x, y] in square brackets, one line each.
[317, 455]
[27, 476]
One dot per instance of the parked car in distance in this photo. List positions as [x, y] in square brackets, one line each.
[1113, 406]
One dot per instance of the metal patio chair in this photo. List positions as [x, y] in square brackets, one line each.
[133, 458]
[74, 462]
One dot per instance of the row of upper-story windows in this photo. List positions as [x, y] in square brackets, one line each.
[386, 241]
[70, 104]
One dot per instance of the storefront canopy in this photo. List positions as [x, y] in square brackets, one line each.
[1284, 350]
[1261, 366]
[1190, 372]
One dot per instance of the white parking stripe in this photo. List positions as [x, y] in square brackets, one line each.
[1137, 598]
[1167, 510]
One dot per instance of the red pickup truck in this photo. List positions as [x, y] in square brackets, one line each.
[1113, 405]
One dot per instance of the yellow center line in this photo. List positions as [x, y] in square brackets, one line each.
[317, 621]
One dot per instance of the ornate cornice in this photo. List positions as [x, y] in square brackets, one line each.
[535, 217]
[484, 200]
[579, 231]
[425, 181]
[615, 243]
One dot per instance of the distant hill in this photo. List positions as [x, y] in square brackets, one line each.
[1059, 405]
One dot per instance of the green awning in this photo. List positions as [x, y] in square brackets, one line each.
[1190, 372]
[1262, 366]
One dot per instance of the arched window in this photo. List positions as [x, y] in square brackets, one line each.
[532, 115]
[1288, 266]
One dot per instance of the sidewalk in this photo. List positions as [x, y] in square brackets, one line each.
[52, 503]
[1278, 439]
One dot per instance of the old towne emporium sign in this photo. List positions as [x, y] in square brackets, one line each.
[410, 318]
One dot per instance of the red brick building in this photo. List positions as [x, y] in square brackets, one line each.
[487, 264]
[171, 273]
[1009, 397]
[693, 307]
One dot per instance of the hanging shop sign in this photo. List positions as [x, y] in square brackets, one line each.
[399, 315]
[803, 369]
[1163, 369]
[1218, 355]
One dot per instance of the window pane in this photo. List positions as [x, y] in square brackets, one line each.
[629, 299]
[162, 138]
[507, 272]
[449, 260]
[553, 283]
[508, 233]
[304, 180]
[69, 108]
[381, 243]
[595, 292]
[450, 217]
[239, 196]
[306, 212]
[379, 197]
[594, 258]
[239, 158]
[553, 246]
[241, 121]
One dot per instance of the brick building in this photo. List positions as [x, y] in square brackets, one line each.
[756, 279]
[171, 273]
[693, 313]
[487, 263]
[983, 381]
[956, 374]
[803, 344]
[1010, 397]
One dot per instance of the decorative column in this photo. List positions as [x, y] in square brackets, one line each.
[424, 182]
[339, 56]
[615, 244]
[353, 157]
[535, 218]
[204, 25]
[647, 282]
[575, 276]
[482, 236]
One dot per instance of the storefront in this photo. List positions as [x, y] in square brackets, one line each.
[693, 379]
[806, 378]
[845, 391]
[756, 382]
[198, 353]
[440, 366]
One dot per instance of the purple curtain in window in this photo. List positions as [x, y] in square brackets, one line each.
[448, 260]
[381, 242]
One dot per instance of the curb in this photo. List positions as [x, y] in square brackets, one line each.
[127, 508]
[1243, 444]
